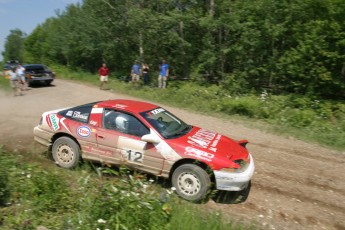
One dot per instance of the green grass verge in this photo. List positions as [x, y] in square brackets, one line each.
[4, 84]
[93, 197]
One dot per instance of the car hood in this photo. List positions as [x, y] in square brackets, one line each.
[209, 147]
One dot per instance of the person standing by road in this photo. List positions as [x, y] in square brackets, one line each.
[163, 74]
[21, 76]
[146, 75]
[14, 81]
[103, 73]
[136, 72]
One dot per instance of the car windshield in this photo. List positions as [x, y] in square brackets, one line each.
[36, 67]
[165, 123]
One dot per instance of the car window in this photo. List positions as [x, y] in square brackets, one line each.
[79, 113]
[124, 123]
[165, 123]
[35, 67]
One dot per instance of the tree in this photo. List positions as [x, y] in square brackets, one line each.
[14, 45]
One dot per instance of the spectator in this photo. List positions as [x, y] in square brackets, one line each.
[103, 73]
[146, 75]
[136, 72]
[21, 76]
[14, 81]
[163, 74]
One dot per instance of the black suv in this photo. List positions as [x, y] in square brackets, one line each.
[38, 73]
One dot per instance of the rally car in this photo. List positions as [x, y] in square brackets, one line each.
[148, 138]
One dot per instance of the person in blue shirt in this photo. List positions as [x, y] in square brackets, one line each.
[163, 74]
[136, 72]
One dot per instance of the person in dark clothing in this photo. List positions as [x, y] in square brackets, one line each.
[146, 75]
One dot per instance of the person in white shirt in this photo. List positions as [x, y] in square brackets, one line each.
[14, 81]
[21, 74]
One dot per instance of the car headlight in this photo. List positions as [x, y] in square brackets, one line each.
[241, 165]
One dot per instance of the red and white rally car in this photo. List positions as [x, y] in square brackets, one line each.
[148, 138]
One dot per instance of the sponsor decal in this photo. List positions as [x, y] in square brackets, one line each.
[84, 131]
[215, 143]
[202, 138]
[77, 114]
[94, 150]
[97, 110]
[157, 111]
[190, 151]
[69, 113]
[92, 122]
[53, 122]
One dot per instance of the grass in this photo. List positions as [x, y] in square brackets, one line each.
[93, 197]
[308, 119]
[4, 84]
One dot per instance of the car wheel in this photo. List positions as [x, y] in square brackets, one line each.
[191, 182]
[66, 152]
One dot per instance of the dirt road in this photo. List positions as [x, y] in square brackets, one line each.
[296, 185]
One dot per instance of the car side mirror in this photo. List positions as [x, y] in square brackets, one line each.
[151, 138]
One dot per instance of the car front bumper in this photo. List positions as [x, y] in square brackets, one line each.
[231, 181]
[42, 136]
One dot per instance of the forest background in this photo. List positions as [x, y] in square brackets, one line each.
[273, 60]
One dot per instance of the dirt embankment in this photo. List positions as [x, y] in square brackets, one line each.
[296, 185]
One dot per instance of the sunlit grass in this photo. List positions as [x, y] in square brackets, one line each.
[93, 197]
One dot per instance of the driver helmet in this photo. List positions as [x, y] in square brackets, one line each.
[121, 122]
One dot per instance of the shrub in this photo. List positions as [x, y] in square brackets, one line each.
[4, 181]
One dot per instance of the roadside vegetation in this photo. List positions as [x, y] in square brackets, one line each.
[302, 117]
[93, 197]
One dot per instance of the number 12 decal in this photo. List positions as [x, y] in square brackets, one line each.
[133, 156]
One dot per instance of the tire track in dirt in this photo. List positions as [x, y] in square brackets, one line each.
[304, 154]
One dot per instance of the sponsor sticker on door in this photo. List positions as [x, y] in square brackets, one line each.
[84, 131]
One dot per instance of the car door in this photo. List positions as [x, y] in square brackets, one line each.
[121, 133]
[76, 122]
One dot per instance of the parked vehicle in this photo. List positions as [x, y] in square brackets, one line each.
[9, 65]
[146, 137]
[38, 74]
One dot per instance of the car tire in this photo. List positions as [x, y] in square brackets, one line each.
[66, 152]
[191, 182]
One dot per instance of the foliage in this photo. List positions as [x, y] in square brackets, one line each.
[14, 46]
[4, 180]
[92, 197]
[243, 46]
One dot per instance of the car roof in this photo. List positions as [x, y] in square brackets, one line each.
[28, 65]
[127, 105]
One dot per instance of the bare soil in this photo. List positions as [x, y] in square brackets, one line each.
[296, 185]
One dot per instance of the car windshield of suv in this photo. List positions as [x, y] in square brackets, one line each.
[165, 123]
[36, 68]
